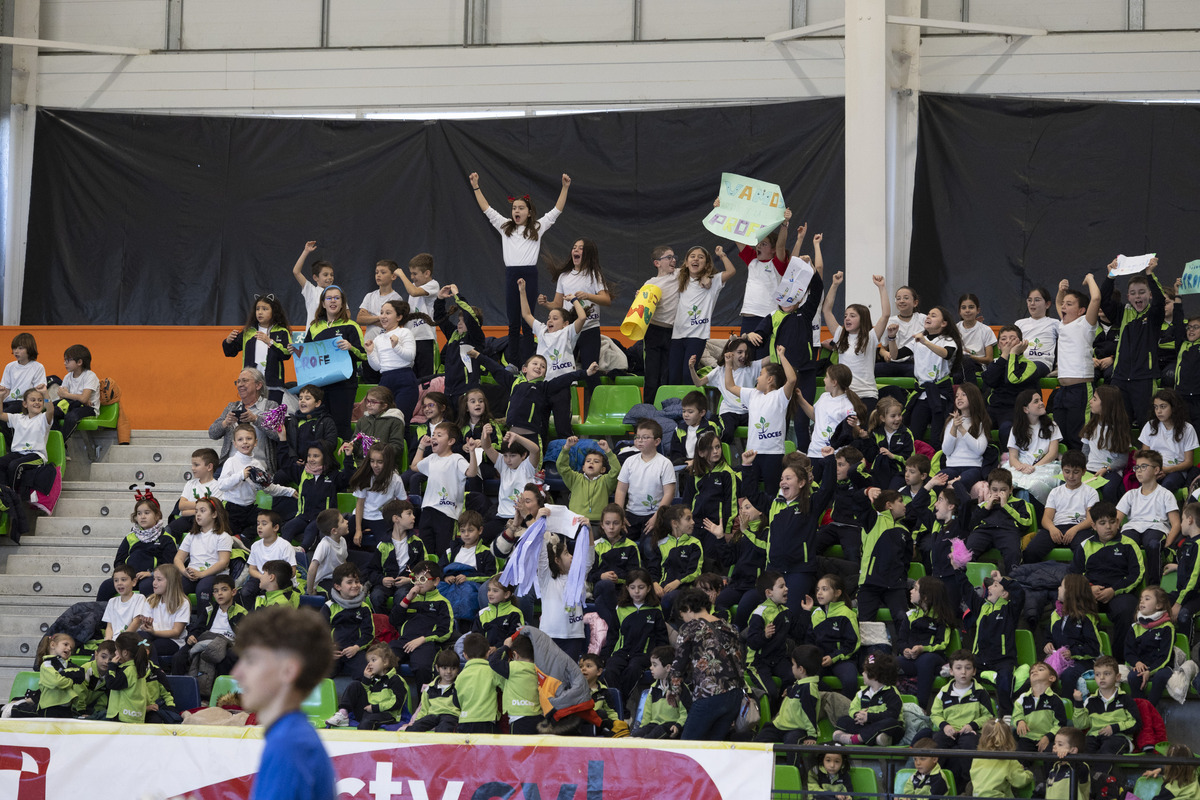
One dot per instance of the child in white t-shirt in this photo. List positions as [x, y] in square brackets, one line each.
[978, 339]
[516, 462]
[1067, 519]
[746, 370]
[699, 286]
[1040, 331]
[269, 547]
[908, 322]
[1149, 514]
[1033, 447]
[446, 484]
[856, 338]
[79, 395]
[646, 482]
[25, 372]
[30, 430]
[374, 483]
[206, 552]
[330, 553]
[556, 340]
[767, 412]
[372, 303]
[936, 352]
[128, 611]
[1173, 438]
[422, 291]
[201, 484]
[322, 272]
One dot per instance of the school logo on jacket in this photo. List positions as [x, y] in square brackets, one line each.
[763, 427]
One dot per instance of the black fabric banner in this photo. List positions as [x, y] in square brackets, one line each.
[169, 220]
[1014, 194]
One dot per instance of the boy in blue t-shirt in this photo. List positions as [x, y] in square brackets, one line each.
[284, 653]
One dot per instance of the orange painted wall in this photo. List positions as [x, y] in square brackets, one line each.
[173, 378]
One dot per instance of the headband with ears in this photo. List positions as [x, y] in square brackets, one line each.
[524, 197]
[142, 492]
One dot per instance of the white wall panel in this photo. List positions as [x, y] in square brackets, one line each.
[1172, 14]
[1055, 15]
[714, 19]
[233, 24]
[387, 23]
[532, 21]
[126, 23]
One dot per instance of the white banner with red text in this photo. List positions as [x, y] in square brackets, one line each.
[54, 759]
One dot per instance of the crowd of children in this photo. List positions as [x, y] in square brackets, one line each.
[839, 534]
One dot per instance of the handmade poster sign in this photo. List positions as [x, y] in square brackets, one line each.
[794, 283]
[1128, 265]
[638, 318]
[321, 363]
[1190, 282]
[750, 209]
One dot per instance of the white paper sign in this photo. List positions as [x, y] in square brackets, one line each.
[794, 283]
[464, 352]
[1128, 265]
[563, 521]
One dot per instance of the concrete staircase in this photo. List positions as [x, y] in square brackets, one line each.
[65, 558]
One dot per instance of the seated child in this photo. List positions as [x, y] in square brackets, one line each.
[1113, 717]
[766, 637]
[92, 699]
[1039, 713]
[1000, 520]
[927, 780]
[423, 620]
[925, 640]
[1112, 563]
[960, 710]
[614, 557]
[500, 619]
[1006, 377]
[476, 688]
[201, 484]
[277, 586]
[269, 547]
[310, 425]
[59, 682]
[641, 630]
[207, 551]
[30, 430]
[469, 560]
[318, 481]
[208, 649]
[832, 626]
[591, 488]
[1179, 780]
[377, 698]
[695, 422]
[592, 666]
[1150, 647]
[79, 394]
[663, 717]
[513, 662]
[128, 609]
[1186, 600]
[390, 571]
[348, 612]
[126, 680]
[995, 616]
[997, 777]
[330, 553]
[886, 552]
[1068, 741]
[874, 717]
[1065, 522]
[681, 552]
[1149, 514]
[239, 483]
[830, 780]
[438, 709]
[796, 722]
[1073, 626]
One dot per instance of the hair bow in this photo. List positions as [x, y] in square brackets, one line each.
[142, 492]
[274, 418]
[268, 297]
[524, 197]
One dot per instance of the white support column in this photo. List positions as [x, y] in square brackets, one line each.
[18, 157]
[902, 141]
[866, 148]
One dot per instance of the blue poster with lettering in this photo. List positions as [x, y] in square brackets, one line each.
[322, 363]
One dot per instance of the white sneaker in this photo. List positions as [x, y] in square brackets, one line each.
[339, 720]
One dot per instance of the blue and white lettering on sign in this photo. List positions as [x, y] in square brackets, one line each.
[322, 363]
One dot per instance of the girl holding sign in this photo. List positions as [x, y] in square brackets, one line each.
[332, 321]
[520, 238]
[699, 286]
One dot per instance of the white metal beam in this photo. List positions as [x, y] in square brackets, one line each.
[970, 27]
[50, 44]
[807, 30]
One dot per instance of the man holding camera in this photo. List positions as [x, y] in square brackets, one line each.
[251, 404]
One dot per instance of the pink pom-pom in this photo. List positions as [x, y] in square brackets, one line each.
[1059, 661]
[365, 442]
[960, 555]
[599, 631]
[274, 418]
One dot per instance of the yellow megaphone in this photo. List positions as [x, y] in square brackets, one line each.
[644, 303]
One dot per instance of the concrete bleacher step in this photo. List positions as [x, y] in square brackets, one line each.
[108, 503]
[56, 564]
[95, 526]
[43, 545]
[72, 588]
[138, 453]
[163, 473]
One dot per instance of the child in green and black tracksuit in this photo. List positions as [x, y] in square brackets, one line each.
[475, 689]
[796, 722]
[874, 717]
[662, 718]
[832, 626]
[766, 637]
[744, 556]
[591, 665]
[830, 779]
[1187, 592]
[500, 619]
[1112, 716]
[995, 616]
[317, 482]
[92, 700]
[1150, 648]
[710, 490]
[615, 555]
[378, 697]
[883, 574]
[1135, 365]
[1039, 713]
[513, 662]
[641, 629]
[423, 618]
[1067, 742]
[438, 709]
[59, 684]
[349, 613]
[1000, 521]
[1005, 378]
[959, 712]
[850, 506]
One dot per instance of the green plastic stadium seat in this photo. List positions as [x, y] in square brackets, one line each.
[916, 571]
[862, 781]
[681, 391]
[321, 704]
[22, 683]
[606, 415]
[346, 503]
[903, 775]
[106, 418]
[263, 500]
[1105, 643]
[1147, 788]
[787, 781]
[1063, 555]
[1025, 650]
[363, 388]
[1169, 582]
[56, 449]
[977, 571]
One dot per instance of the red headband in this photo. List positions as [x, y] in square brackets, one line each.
[524, 197]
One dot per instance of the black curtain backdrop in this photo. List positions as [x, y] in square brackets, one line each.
[1013, 194]
[169, 220]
